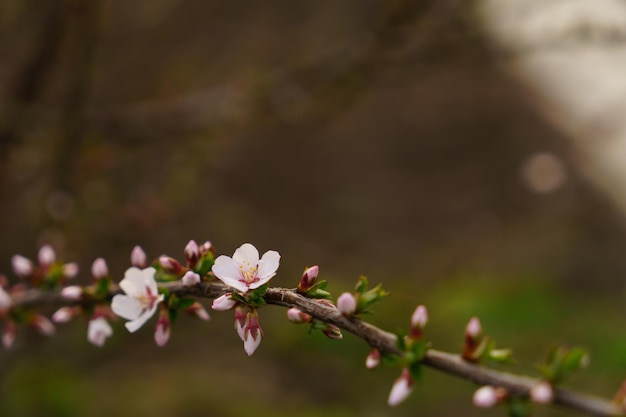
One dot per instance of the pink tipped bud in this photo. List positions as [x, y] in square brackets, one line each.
[70, 270]
[401, 388]
[190, 279]
[99, 269]
[22, 266]
[199, 311]
[346, 303]
[46, 256]
[542, 393]
[224, 302]
[8, 334]
[192, 253]
[419, 319]
[297, 316]
[43, 325]
[98, 331]
[170, 265]
[73, 292]
[473, 330]
[65, 314]
[240, 321]
[5, 300]
[138, 257]
[488, 396]
[252, 332]
[333, 332]
[373, 359]
[309, 276]
[206, 247]
[162, 330]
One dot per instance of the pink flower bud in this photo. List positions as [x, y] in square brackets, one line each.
[8, 334]
[485, 397]
[138, 257]
[419, 319]
[43, 325]
[252, 332]
[309, 276]
[401, 389]
[46, 256]
[332, 332]
[162, 330]
[99, 269]
[73, 292]
[170, 265]
[206, 247]
[199, 311]
[190, 278]
[98, 331]
[5, 300]
[346, 303]
[373, 359]
[297, 316]
[192, 253]
[473, 329]
[65, 314]
[22, 266]
[70, 270]
[542, 393]
[224, 302]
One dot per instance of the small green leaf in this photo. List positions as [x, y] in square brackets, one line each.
[361, 285]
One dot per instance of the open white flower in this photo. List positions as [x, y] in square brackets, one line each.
[244, 271]
[141, 299]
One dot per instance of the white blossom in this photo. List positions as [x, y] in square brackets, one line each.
[141, 297]
[245, 271]
[98, 331]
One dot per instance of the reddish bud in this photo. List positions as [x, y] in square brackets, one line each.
[297, 316]
[373, 359]
[162, 331]
[309, 276]
[332, 332]
[224, 302]
[488, 396]
[199, 311]
[192, 253]
[170, 265]
[419, 319]
[65, 314]
[401, 388]
[252, 332]
[240, 321]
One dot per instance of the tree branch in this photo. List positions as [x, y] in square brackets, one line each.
[448, 363]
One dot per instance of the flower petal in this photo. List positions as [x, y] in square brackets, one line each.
[133, 283]
[126, 307]
[148, 279]
[246, 253]
[134, 325]
[227, 270]
[267, 267]
[251, 343]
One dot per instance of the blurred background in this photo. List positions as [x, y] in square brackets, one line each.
[393, 139]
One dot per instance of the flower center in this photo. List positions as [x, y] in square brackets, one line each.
[248, 273]
[147, 299]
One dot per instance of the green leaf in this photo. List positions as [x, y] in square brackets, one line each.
[361, 285]
[318, 291]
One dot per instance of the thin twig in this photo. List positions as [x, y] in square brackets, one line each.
[451, 364]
